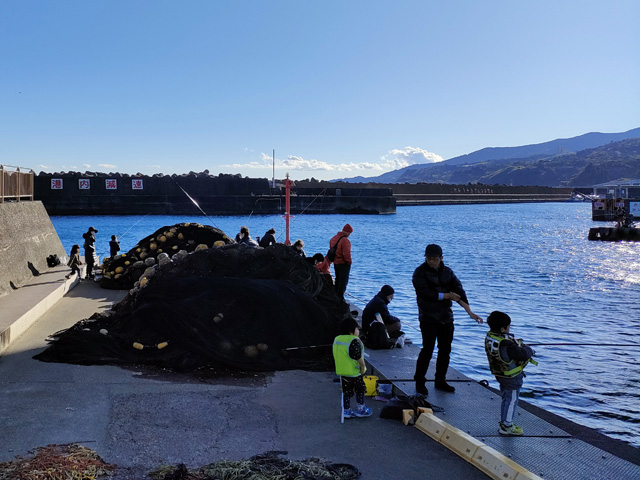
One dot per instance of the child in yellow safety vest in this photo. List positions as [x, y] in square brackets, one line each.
[348, 353]
[507, 358]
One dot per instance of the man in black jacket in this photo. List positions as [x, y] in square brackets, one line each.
[89, 250]
[436, 287]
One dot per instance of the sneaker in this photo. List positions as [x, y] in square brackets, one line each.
[362, 412]
[348, 413]
[512, 430]
[445, 387]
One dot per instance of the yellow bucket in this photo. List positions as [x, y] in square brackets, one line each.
[371, 382]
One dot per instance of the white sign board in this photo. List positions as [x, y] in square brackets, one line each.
[634, 208]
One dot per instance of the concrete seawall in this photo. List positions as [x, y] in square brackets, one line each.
[90, 193]
[27, 238]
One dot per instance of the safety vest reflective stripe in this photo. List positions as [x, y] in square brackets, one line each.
[500, 367]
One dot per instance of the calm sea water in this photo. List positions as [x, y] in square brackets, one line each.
[532, 261]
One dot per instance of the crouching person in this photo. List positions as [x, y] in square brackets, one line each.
[378, 306]
[348, 354]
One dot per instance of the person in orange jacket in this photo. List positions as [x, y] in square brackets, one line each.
[342, 262]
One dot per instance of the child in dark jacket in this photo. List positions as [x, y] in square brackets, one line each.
[74, 261]
[507, 358]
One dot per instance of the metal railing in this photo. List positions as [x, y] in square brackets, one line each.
[16, 183]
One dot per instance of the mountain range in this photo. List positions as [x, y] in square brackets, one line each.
[584, 160]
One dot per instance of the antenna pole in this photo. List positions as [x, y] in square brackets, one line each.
[287, 213]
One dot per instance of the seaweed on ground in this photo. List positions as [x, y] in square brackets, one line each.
[56, 462]
[267, 466]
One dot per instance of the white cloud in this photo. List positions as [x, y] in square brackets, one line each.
[44, 167]
[86, 165]
[395, 159]
[107, 165]
[400, 158]
[157, 167]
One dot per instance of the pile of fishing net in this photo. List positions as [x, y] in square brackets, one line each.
[123, 271]
[56, 462]
[268, 466]
[232, 306]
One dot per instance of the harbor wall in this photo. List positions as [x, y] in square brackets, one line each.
[27, 238]
[88, 193]
[408, 194]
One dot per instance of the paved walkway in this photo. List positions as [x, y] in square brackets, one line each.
[142, 418]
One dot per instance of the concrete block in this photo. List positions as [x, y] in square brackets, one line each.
[495, 464]
[460, 442]
[27, 238]
[527, 475]
[431, 425]
[408, 416]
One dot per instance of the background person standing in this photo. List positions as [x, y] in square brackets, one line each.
[90, 250]
[436, 287]
[342, 262]
[114, 247]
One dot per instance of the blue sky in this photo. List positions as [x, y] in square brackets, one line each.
[338, 89]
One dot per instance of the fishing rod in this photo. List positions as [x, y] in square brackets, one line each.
[128, 229]
[587, 344]
[103, 251]
[196, 204]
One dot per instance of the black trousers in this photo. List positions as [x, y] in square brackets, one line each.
[342, 277]
[88, 259]
[432, 331]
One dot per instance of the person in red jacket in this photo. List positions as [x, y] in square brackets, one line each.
[342, 263]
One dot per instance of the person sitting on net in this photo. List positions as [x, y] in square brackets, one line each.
[323, 265]
[348, 354]
[268, 239]
[244, 238]
[298, 246]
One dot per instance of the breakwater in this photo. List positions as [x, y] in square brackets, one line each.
[439, 194]
[90, 193]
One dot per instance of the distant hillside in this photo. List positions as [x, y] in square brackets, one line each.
[547, 149]
[506, 155]
[606, 163]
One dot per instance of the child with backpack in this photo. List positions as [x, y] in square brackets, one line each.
[348, 353]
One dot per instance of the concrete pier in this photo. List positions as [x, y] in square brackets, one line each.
[141, 418]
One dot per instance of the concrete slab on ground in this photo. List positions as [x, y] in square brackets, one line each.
[545, 449]
[140, 419]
